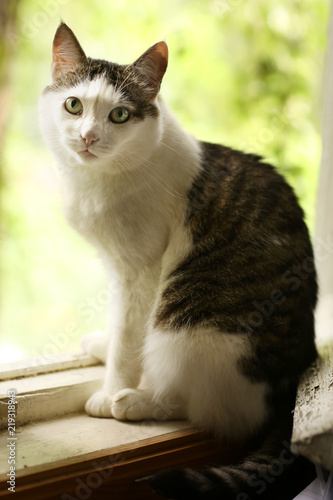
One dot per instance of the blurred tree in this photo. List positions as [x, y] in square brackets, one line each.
[8, 18]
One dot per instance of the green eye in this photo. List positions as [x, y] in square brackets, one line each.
[119, 115]
[74, 105]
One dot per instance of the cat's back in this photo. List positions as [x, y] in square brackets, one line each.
[250, 269]
[238, 194]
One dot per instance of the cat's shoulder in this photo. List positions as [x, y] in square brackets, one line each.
[233, 186]
[224, 171]
[231, 163]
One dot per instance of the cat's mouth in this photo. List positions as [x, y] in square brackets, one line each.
[87, 154]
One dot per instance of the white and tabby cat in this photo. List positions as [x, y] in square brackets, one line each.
[213, 259]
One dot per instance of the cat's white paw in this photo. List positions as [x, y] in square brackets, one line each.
[99, 405]
[132, 404]
[96, 344]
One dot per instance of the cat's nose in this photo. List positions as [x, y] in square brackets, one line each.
[89, 138]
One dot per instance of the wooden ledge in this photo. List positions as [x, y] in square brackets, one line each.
[105, 473]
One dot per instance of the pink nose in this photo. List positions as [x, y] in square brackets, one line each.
[89, 138]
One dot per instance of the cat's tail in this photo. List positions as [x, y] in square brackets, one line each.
[272, 472]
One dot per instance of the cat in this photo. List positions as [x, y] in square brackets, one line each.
[213, 259]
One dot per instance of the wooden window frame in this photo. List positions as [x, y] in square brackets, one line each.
[59, 385]
[58, 388]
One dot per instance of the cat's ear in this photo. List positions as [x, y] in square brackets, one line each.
[67, 53]
[152, 66]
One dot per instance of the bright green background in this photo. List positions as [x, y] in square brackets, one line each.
[245, 74]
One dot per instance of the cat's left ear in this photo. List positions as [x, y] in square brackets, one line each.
[152, 66]
[67, 53]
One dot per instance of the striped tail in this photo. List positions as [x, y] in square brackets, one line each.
[271, 473]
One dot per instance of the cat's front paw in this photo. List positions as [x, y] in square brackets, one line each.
[99, 405]
[96, 344]
[132, 404]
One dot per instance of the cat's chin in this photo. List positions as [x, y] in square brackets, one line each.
[87, 155]
[91, 162]
[86, 158]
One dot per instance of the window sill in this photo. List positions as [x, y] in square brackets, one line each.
[62, 453]
[54, 388]
[81, 457]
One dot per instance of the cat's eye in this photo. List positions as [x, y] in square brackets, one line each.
[119, 115]
[74, 105]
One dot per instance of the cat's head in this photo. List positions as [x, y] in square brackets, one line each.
[95, 111]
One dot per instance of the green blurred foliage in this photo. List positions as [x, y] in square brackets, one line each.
[245, 74]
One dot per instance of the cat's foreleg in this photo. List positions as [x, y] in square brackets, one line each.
[123, 370]
[124, 353]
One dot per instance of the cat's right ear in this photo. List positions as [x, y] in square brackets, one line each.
[67, 53]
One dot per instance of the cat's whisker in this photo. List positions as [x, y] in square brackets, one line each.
[166, 186]
[137, 173]
[123, 164]
[171, 148]
[160, 181]
[154, 170]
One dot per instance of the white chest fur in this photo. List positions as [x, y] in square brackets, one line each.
[124, 222]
